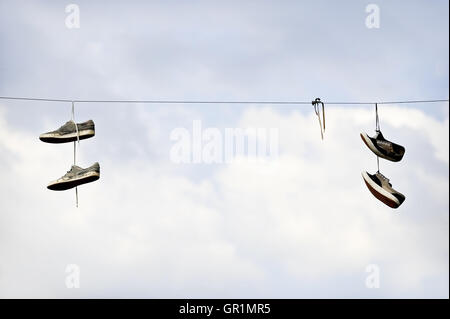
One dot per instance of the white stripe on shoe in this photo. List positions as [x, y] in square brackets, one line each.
[368, 141]
[66, 136]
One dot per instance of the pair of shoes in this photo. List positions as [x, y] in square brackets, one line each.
[377, 183]
[76, 176]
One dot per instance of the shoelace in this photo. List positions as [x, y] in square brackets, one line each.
[75, 148]
[316, 103]
[384, 178]
[71, 169]
[377, 119]
[377, 129]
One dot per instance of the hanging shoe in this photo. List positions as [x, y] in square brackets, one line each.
[380, 187]
[68, 133]
[75, 177]
[383, 148]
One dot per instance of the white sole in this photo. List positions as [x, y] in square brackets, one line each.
[90, 174]
[67, 136]
[379, 189]
[370, 145]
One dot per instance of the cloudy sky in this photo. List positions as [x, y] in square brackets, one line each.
[301, 225]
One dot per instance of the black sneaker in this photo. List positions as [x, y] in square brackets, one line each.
[68, 133]
[383, 148]
[380, 187]
[75, 177]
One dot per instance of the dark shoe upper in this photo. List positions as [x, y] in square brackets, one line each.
[77, 171]
[70, 127]
[88, 125]
[384, 183]
[68, 133]
[391, 151]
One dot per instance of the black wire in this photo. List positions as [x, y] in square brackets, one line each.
[216, 102]
[391, 102]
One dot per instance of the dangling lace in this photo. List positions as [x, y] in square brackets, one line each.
[377, 120]
[384, 178]
[75, 147]
[76, 126]
[378, 164]
[316, 103]
[377, 129]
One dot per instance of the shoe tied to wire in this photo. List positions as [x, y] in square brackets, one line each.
[76, 177]
[69, 133]
[381, 188]
[383, 148]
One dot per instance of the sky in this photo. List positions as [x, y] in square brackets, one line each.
[299, 225]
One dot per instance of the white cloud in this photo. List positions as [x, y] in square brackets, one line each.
[301, 226]
[304, 220]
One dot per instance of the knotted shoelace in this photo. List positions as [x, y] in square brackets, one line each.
[316, 103]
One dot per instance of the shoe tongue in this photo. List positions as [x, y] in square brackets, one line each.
[381, 176]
